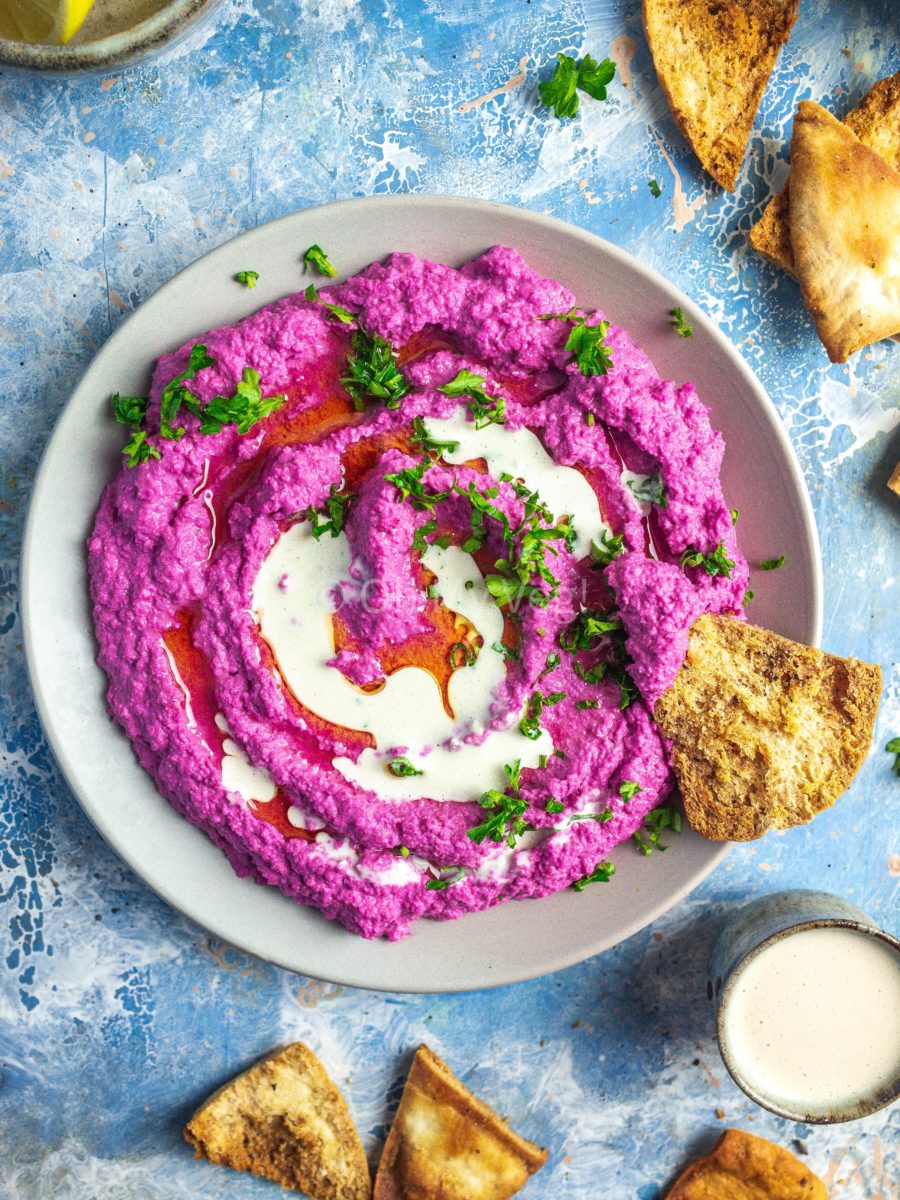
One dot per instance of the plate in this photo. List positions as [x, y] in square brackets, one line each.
[508, 943]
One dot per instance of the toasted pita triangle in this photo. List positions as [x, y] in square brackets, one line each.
[713, 59]
[876, 122]
[445, 1144]
[742, 1166]
[765, 732]
[284, 1119]
[845, 233]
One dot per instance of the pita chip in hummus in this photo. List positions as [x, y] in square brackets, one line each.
[765, 732]
[446, 1144]
[845, 233]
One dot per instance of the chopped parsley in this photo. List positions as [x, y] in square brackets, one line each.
[587, 628]
[331, 517]
[655, 189]
[175, 394]
[734, 513]
[507, 651]
[247, 278]
[402, 768]
[628, 789]
[748, 595]
[419, 542]
[333, 310]
[602, 817]
[137, 449]
[655, 822]
[507, 820]
[423, 440]
[602, 873]
[650, 490]
[553, 661]
[372, 372]
[486, 410]
[530, 724]
[893, 747]
[586, 342]
[243, 409]
[584, 704]
[404, 851]
[716, 563]
[408, 483]
[462, 655]
[438, 885]
[772, 564]
[560, 91]
[608, 549]
[316, 259]
[554, 806]
[679, 323]
[590, 419]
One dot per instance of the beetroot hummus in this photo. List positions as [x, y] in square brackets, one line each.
[397, 576]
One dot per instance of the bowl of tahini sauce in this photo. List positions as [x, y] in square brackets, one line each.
[807, 993]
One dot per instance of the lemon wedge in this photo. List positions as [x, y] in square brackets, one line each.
[53, 22]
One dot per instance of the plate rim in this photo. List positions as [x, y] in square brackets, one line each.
[335, 210]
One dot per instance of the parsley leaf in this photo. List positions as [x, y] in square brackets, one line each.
[137, 449]
[603, 817]
[587, 629]
[554, 806]
[487, 410]
[130, 410]
[247, 278]
[372, 372]
[559, 91]
[423, 440]
[679, 323]
[333, 310]
[602, 873]
[462, 655]
[628, 789]
[438, 885]
[893, 747]
[316, 259]
[175, 394]
[331, 518]
[243, 409]
[607, 549]
[650, 490]
[655, 822]
[772, 564]
[553, 661]
[530, 724]
[655, 189]
[587, 344]
[408, 483]
[715, 563]
[507, 651]
[402, 768]
[507, 821]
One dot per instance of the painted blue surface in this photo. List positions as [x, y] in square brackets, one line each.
[116, 1014]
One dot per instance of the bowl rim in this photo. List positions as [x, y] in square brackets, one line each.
[114, 50]
[840, 1115]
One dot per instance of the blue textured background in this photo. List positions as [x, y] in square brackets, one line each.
[116, 1014]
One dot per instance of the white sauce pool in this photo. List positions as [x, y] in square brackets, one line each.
[813, 1022]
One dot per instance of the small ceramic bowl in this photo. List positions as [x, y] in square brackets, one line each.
[755, 928]
[163, 28]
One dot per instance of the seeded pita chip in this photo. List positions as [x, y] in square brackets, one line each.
[845, 233]
[765, 732]
[284, 1119]
[445, 1144]
[745, 1167]
[876, 122]
[714, 59]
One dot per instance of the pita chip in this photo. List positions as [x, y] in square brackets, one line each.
[713, 59]
[876, 122]
[744, 1167]
[845, 233]
[765, 732]
[445, 1144]
[285, 1120]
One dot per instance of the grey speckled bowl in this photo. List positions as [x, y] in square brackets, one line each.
[162, 29]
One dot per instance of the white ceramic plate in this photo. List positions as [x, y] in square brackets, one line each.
[513, 941]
